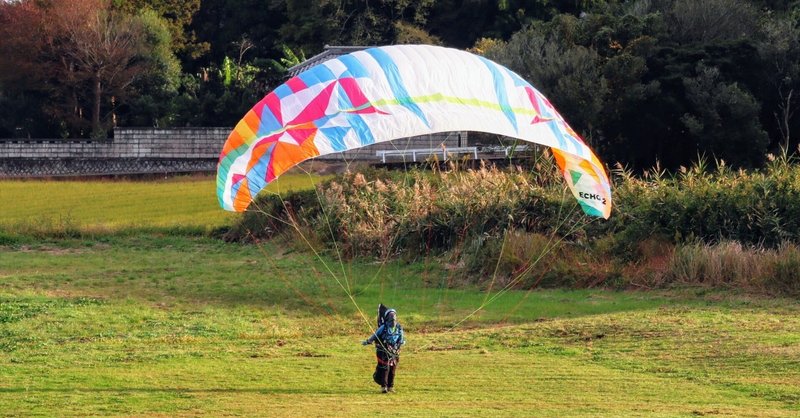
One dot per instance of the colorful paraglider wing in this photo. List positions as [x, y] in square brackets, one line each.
[385, 93]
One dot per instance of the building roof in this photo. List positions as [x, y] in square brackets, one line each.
[328, 53]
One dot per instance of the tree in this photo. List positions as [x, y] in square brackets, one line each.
[178, 15]
[312, 24]
[222, 95]
[18, 43]
[723, 119]
[624, 42]
[707, 21]
[461, 23]
[780, 52]
[406, 33]
[102, 47]
[83, 54]
[151, 93]
[569, 75]
[20, 99]
[223, 24]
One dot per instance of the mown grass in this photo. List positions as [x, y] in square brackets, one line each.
[145, 322]
[156, 325]
[47, 207]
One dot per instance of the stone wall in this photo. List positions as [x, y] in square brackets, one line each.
[130, 143]
[149, 150]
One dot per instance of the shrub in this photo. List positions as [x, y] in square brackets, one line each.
[751, 207]
[520, 256]
[717, 227]
[8, 239]
[730, 264]
[786, 277]
[433, 213]
[271, 214]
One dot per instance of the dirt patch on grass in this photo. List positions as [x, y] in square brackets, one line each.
[50, 250]
[311, 354]
[790, 350]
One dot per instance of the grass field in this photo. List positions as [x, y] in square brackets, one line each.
[42, 207]
[159, 325]
[142, 319]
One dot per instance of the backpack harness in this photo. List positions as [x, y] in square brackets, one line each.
[387, 348]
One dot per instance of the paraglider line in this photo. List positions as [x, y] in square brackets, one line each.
[296, 227]
[519, 277]
[302, 295]
[330, 231]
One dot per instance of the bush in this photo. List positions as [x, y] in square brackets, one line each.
[699, 226]
[8, 239]
[433, 213]
[520, 256]
[786, 277]
[724, 264]
[271, 214]
[753, 208]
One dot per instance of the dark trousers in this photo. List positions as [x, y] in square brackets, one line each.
[384, 371]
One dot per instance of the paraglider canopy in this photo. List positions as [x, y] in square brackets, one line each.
[384, 93]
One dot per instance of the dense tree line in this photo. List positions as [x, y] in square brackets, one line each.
[644, 81]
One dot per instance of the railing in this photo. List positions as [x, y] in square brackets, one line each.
[427, 152]
[445, 152]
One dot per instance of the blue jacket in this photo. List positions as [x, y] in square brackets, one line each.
[392, 338]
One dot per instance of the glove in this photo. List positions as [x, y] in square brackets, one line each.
[365, 342]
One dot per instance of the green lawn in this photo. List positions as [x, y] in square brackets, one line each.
[154, 325]
[42, 206]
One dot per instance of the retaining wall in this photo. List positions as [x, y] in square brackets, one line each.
[149, 150]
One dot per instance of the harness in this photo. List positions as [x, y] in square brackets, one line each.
[389, 349]
[392, 361]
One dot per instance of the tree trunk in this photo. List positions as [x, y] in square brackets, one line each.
[96, 107]
[787, 115]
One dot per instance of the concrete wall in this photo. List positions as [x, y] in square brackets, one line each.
[191, 143]
[150, 150]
